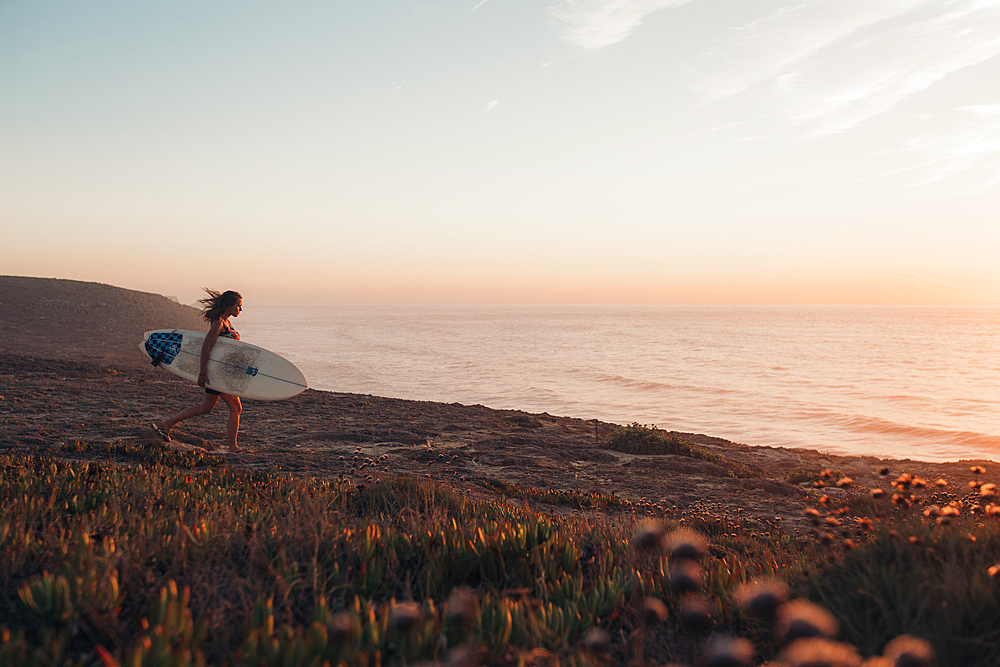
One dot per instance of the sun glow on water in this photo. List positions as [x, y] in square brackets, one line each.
[907, 382]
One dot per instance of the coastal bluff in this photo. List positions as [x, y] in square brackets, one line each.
[79, 451]
[84, 321]
[71, 372]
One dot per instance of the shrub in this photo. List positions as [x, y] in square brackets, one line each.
[651, 441]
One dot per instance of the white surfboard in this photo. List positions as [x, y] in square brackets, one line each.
[234, 367]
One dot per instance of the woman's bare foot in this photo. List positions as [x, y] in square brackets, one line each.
[162, 433]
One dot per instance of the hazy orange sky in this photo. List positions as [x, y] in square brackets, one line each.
[564, 151]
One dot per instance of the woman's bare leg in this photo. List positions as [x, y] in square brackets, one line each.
[211, 400]
[233, 425]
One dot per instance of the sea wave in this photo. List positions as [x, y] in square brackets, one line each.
[940, 439]
[650, 386]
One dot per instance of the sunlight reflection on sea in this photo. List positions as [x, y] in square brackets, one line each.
[906, 382]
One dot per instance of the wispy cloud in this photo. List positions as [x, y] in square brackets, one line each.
[832, 66]
[771, 48]
[480, 4]
[593, 24]
[877, 73]
[925, 281]
[820, 68]
[492, 105]
[968, 147]
[989, 110]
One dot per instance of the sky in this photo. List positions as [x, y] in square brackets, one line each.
[506, 151]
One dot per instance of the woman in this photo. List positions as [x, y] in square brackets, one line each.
[217, 309]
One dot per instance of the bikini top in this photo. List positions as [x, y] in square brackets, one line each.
[229, 332]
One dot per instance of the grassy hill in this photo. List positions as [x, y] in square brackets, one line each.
[69, 319]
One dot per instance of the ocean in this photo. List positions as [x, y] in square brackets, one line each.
[902, 382]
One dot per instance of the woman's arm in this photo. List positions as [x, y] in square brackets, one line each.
[206, 347]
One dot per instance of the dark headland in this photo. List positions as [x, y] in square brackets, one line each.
[80, 321]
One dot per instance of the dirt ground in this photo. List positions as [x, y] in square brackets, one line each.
[45, 403]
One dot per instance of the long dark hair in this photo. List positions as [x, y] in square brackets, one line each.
[216, 303]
